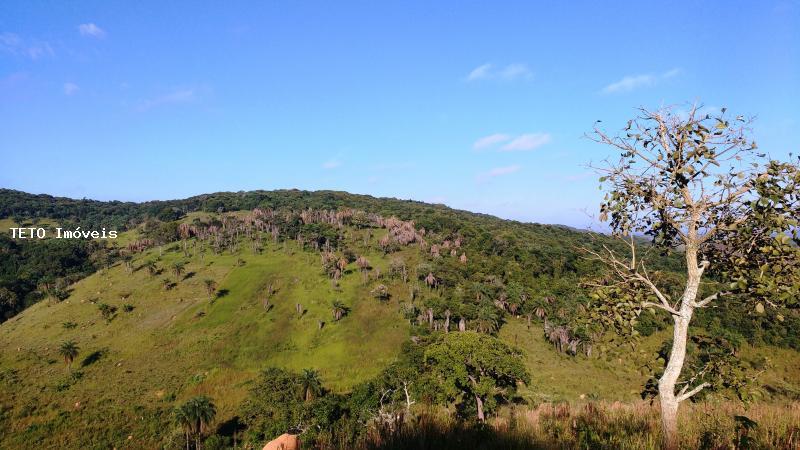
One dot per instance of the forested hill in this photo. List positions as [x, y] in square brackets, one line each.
[494, 235]
[122, 214]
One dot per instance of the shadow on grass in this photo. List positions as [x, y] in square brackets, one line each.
[93, 357]
[231, 427]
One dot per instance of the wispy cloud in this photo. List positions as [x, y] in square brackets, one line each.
[15, 45]
[488, 71]
[479, 73]
[491, 140]
[632, 82]
[175, 97]
[498, 172]
[91, 30]
[522, 142]
[70, 88]
[527, 142]
[331, 164]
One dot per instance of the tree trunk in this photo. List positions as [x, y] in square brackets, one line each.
[666, 384]
[672, 372]
[479, 403]
[408, 399]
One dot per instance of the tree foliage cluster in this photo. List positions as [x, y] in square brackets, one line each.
[487, 372]
[31, 270]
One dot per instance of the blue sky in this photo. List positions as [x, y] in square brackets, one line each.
[478, 105]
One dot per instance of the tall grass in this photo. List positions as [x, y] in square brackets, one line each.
[596, 426]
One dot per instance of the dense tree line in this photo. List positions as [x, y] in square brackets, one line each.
[31, 270]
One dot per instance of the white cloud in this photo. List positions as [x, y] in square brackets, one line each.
[490, 140]
[70, 88]
[479, 72]
[522, 142]
[498, 172]
[514, 71]
[510, 72]
[331, 164]
[179, 96]
[525, 142]
[631, 82]
[15, 45]
[91, 30]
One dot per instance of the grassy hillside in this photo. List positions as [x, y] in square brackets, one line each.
[165, 338]
[178, 342]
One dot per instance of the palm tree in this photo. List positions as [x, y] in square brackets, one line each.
[194, 416]
[339, 310]
[211, 287]
[413, 291]
[128, 259]
[363, 264]
[69, 350]
[488, 320]
[381, 292]
[310, 384]
[430, 280]
[204, 413]
[178, 267]
[152, 268]
[181, 417]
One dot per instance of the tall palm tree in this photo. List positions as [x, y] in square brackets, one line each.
[199, 412]
[339, 310]
[211, 286]
[310, 384]
[69, 350]
[152, 268]
[205, 411]
[430, 280]
[488, 320]
[128, 260]
[181, 417]
[178, 267]
[363, 264]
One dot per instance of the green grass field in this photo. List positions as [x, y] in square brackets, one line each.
[177, 343]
